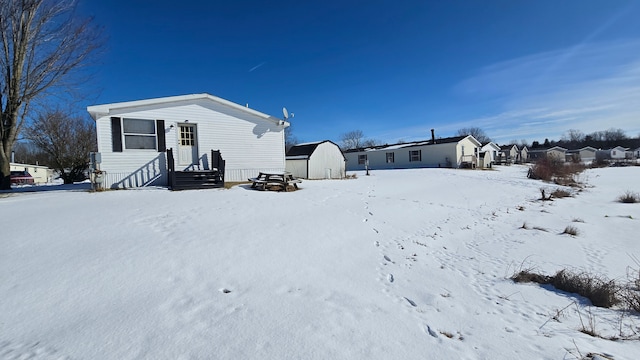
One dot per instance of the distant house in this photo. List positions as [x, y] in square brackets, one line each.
[492, 149]
[586, 154]
[484, 159]
[556, 152]
[316, 160]
[523, 154]
[616, 153]
[636, 153]
[508, 154]
[133, 138]
[40, 174]
[452, 152]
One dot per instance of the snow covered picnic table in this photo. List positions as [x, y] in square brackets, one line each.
[281, 179]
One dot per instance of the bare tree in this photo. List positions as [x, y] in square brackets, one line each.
[41, 42]
[352, 140]
[26, 152]
[573, 136]
[476, 132]
[66, 139]
[614, 135]
[289, 139]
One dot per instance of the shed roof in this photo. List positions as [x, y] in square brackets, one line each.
[307, 149]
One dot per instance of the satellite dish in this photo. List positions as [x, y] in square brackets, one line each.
[285, 113]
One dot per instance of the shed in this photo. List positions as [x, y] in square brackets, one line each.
[316, 160]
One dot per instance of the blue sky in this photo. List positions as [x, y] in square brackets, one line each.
[393, 69]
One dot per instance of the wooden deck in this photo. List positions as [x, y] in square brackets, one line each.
[196, 179]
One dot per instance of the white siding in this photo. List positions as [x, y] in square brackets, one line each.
[298, 168]
[437, 155]
[327, 157]
[247, 142]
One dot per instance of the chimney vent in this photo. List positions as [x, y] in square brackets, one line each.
[433, 136]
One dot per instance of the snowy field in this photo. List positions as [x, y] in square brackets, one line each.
[404, 264]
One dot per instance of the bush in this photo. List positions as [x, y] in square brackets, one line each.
[571, 230]
[629, 198]
[560, 193]
[601, 292]
[556, 170]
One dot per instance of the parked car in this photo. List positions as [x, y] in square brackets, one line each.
[21, 178]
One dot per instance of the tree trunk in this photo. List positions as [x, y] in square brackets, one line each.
[5, 172]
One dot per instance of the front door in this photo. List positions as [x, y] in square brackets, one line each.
[188, 145]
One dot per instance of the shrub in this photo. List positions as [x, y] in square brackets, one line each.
[556, 170]
[601, 292]
[560, 193]
[629, 198]
[571, 230]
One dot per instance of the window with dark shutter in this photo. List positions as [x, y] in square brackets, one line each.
[116, 134]
[162, 146]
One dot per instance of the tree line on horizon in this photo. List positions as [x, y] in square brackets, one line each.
[571, 139]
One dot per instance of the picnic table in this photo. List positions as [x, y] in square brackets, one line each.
[281, 179]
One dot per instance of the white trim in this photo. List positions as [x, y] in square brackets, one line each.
[98, 111]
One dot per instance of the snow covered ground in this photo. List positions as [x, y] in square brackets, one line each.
[402, 264]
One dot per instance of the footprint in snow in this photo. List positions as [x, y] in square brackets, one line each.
[430, 331]
[387, 258]
[390, 278]
[411, 302]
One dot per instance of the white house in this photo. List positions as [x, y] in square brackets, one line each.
[508, 154]
[317, 160]
[616, 153]
[41, 174]
[133, 137]
[556, 152]
[456, 152]
[493, 149]
[586, 154]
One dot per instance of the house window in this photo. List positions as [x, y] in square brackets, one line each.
[139, 134]
[415, 155]
[390, 157]
[187, 137]
[362, 159]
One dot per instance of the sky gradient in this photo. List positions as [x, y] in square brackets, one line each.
[393, 69]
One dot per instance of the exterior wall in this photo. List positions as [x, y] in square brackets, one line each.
[524, 154]
[484, 160]
[493, 151]
[587, 155]
[437, 155]
[618, 153]
[298, 168]
[247, 142]
[40, 174]
[558, 154]
[326, 159]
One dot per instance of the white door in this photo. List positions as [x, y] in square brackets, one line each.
[187, 145]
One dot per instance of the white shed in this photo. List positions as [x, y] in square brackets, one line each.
[316, 160]
[134, 136]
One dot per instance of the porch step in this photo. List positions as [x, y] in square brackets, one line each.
[185, 180]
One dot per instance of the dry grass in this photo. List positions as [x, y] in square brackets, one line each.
[571, 230]
[230, 184]
[629, 198]
[557, 171]
[560, 193]
[601, 292]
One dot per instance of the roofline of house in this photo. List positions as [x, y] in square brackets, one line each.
[105, 109]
